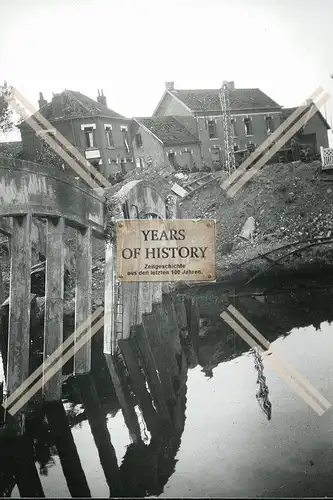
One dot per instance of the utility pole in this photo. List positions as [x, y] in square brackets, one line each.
[227, 128]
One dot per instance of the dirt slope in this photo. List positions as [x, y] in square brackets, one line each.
[289, 202]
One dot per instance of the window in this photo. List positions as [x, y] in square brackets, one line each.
[89, 137]
[233, 124]
[212, 129]
[123, 129]
[172, 157]
[138, 140]
[251, 146]
[269, 124]
[109, 137]
[236, 147]
[248, 126]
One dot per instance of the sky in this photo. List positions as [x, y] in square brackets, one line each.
[130, 48]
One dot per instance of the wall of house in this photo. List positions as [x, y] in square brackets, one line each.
[171, 106]
[241, 140]
[151, 150]
[182, 158]
[32, 144]
[316, 126]
[259, 130]
[111, 156]
[71, 130]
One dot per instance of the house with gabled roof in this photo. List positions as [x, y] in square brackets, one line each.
[254, 116]
[166, 141]
[98, 132]
[314, 131]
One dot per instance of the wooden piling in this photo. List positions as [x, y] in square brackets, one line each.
[145, 299]
[130, 293]
[100, 433]
[128, 349]
[130, 417]
[161, 354]
[172, 333]
[169, 333]
[24, 469]
[156, 293]
[193, 321]
[144, 350]
[64, 442]
[82, 358]
[180, 312]
[19, 306]
[54, 301]
[109, 301]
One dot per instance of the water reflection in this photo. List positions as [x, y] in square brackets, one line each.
[213, 417]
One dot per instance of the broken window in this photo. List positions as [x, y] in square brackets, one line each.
[89, 137]
[212, 129]
[139, 162]
[251, 147]
[172, 157]
[138, 140]
[248, 126]
[109, 137]
[123, 129]
[269, 124]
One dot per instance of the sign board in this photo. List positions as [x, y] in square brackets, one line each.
[165, 250]
[90, 155]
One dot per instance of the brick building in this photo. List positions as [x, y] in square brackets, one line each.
[254, 117]
[99, 133]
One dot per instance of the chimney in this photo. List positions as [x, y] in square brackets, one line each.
[230, 85]
[101, 99]
[170, 85]
[41, 101]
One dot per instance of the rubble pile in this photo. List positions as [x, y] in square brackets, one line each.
[289, 202]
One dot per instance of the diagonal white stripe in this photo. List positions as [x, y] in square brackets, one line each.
[49, 361]
[292, 131]
[269, 141]
[287, 366]
[56, 367]
[275, 364]
[38, 118]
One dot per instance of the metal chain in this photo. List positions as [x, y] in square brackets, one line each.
[263, 392]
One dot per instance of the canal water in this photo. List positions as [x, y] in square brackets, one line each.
[223, 442]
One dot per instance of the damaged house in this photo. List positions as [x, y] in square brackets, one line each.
[99, 133]
[166, 141]
[254, 117]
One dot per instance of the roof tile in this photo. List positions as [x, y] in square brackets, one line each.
[240, 99]
[169, 130]
[72, 104]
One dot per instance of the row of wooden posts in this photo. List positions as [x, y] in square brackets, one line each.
[124, 304]
[152, 366]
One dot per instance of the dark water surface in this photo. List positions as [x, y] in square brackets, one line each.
[223, 444]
